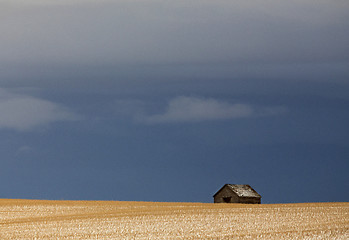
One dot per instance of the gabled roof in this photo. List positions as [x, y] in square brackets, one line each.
[242, 190]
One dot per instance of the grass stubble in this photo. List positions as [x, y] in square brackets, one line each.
[41, 219]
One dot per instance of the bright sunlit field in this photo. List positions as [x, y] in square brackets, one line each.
[38, 219]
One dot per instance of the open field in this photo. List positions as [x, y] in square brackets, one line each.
[38, 219]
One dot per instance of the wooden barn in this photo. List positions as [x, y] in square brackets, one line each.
[235, 193]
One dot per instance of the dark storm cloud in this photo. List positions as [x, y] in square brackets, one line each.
[139, 53]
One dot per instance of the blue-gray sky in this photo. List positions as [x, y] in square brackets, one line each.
[151, 100]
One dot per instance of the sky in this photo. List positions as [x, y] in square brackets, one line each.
[149, 100]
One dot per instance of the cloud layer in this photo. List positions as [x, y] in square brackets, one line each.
[157, 32]
[193, 109]
[21, 112]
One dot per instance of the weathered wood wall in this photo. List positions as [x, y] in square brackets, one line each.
[226, 192]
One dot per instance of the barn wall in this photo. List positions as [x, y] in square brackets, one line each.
[226, 192]
[250, 200]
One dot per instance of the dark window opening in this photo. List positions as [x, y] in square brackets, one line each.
[227, 199]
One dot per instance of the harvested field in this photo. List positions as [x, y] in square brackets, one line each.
[38, 219]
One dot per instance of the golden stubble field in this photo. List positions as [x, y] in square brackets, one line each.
[39, 219]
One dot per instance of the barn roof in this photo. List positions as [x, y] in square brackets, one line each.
[242, 190]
